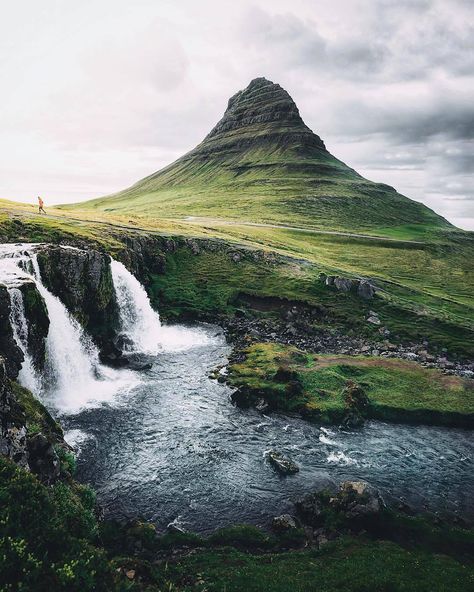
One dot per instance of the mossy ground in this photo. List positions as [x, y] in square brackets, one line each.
[397, 390]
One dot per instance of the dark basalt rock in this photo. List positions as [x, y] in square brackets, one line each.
[357, 500]
[12, 423]
[38, 322]
[42, 458]
[11, 353]
[82, 280]
[281, 463]
[284, 523]
[310, 509]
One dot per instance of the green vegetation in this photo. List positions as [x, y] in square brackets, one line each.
[261, 163]
[320, 388]
[47, 536]
[35, 414]
[349, 564]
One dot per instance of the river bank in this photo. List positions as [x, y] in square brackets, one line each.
[346, 389]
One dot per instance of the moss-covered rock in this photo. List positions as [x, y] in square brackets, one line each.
[82, 279]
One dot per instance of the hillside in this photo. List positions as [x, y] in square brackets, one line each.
[261, 163]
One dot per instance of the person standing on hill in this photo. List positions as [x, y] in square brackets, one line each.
[41, 206]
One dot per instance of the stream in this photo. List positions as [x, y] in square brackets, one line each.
[174, 449]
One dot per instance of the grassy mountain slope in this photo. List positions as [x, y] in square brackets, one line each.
[261, 163]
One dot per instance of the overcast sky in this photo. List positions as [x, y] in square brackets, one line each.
[97, 94]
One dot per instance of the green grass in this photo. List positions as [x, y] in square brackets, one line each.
[425, 288]
[349, 564]
[397, 390]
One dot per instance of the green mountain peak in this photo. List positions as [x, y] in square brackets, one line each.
[262, 163]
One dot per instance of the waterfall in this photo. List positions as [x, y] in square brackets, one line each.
[28, 376]
[139, 323]
[140, 326]
[73, 376]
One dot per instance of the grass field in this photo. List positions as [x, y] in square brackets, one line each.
[396, 389]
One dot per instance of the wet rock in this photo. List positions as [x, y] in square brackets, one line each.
[42, 459]
[36, 314]
[262, 406]
[12, 427]
[284, 523]
[82, 280]
[357, 500]
[310, 509]
[9, 351]
[282, 464]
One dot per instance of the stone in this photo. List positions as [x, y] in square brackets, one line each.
[357, 500]
[42, 459]
[374, 320]
[310, 509]
[344, 284]
[284, 523]
[281, 463]
[366, 290]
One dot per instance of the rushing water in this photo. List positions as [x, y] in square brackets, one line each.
[175, 448]
[166, 444]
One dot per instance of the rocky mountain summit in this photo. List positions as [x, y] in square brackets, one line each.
[263, 112]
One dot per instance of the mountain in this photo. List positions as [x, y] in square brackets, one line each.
[261, 163]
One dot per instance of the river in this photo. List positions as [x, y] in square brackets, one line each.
[174, 448]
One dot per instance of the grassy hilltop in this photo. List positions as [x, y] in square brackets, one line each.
[261, 163]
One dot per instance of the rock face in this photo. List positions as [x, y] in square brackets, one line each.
[42, 458]
[13, 429]
[262, 107]
[310, 509]
[9, 351]
[83, 282]
[38, 322]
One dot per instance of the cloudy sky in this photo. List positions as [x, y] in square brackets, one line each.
[99, 93]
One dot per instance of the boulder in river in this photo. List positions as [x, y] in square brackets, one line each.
[281, 463]
[284, 523]
[357, 500]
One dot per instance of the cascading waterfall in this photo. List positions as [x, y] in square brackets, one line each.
[73, 376]
[141, 329]
[28, 376]
[139, 323]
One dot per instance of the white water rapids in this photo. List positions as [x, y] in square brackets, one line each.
[73, 377]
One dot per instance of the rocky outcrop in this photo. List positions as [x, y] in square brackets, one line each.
[43, 459]
[357, 500]
[32, 451]
[354, 504]
[9, 351]
[38, 322]
[260, 113]
[13, 423]
[82, 280]
[362, 287]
